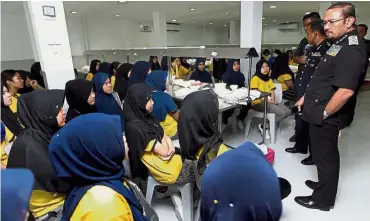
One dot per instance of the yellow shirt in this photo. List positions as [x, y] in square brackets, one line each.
[4, 156]
[89, 76]
[210, 67]
[282, 78]
[169, 126]
[182, 72]
[163, 171]
[212, 154]
[262, 86]
[291, 62]
[113, 80]
[42, 202]
[13, 106]
[101, 203]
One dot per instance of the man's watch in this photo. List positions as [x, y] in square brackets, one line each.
[325, 115]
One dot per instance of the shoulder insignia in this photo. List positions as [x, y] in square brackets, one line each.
[353, 40]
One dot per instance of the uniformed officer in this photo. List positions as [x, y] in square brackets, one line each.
[315, 37]
[325, 101]
[362, 30]
[301, 54]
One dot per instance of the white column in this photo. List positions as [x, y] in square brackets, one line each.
[323, 7]
[49, 30]
[234, 33]
[159, 34]
[250, 30]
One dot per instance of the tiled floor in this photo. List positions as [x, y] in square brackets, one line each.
[353, 199]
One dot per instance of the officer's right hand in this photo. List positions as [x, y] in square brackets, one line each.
[300, 103]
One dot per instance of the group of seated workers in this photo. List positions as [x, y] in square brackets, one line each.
[76, 158]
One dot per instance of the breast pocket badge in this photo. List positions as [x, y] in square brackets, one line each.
[333, 50]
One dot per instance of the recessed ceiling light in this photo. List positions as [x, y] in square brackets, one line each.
[308, 13]
[263, 18]
[192, 9]
[174, 20]
[210, 23]
[122, 1]
[225, 25]
[274, 20]
[227, 13]
[117, 15]
[193, 22]
[74, 12]
[272, 6]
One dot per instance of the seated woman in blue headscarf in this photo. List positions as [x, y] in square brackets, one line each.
[233, 76]
[164, 109]
[107, 101]
[139, 72]
[200, 73]
[98, 189]
[240, 185]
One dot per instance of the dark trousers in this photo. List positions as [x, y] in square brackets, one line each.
[242, 115]
[302, 136]
[325, 153]
[289, 95]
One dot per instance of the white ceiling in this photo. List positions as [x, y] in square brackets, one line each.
[206, 11]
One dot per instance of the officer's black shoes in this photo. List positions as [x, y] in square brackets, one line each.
[311, 184]
[308, 202]
[294, 150]
[308, 161]
[292, 139]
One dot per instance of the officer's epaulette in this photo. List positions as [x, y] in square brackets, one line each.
[353, 40]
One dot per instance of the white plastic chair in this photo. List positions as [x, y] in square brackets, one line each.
[186, 196]
[278, 92]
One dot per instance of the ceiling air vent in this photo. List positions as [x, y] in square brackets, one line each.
[145, 28]
[173, 27]
[289, 27]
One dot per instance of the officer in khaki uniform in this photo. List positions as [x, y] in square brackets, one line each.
[326, 106]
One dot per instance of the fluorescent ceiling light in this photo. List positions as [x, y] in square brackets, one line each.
[141, 26]
[122, 1]
[274, 20]
[117, 15]
[227, 13]
[265, 24]
[74, 12]
[263, 18]
[210, 23]
[225, 25]
[192, 9]
[193, 22]
[272, 6]
[174, 20]
[308, 13]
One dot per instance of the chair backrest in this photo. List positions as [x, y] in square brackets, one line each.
[278, 93]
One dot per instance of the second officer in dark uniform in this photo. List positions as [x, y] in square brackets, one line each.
[315, 37]
[325, 103]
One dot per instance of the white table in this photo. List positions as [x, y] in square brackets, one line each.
[222, 106]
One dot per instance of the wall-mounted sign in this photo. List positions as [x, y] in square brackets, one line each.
[48, 11]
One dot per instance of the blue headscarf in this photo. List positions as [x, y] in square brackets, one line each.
[240, 185]
[202, 76]
[89, 151]
[139, 72]
[16, 188]
[105, 67]
[232, 77]
[105, 103]
[2, 132]
[157, 80]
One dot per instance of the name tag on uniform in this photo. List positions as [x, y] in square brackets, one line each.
[333, 50]
[316, 54]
